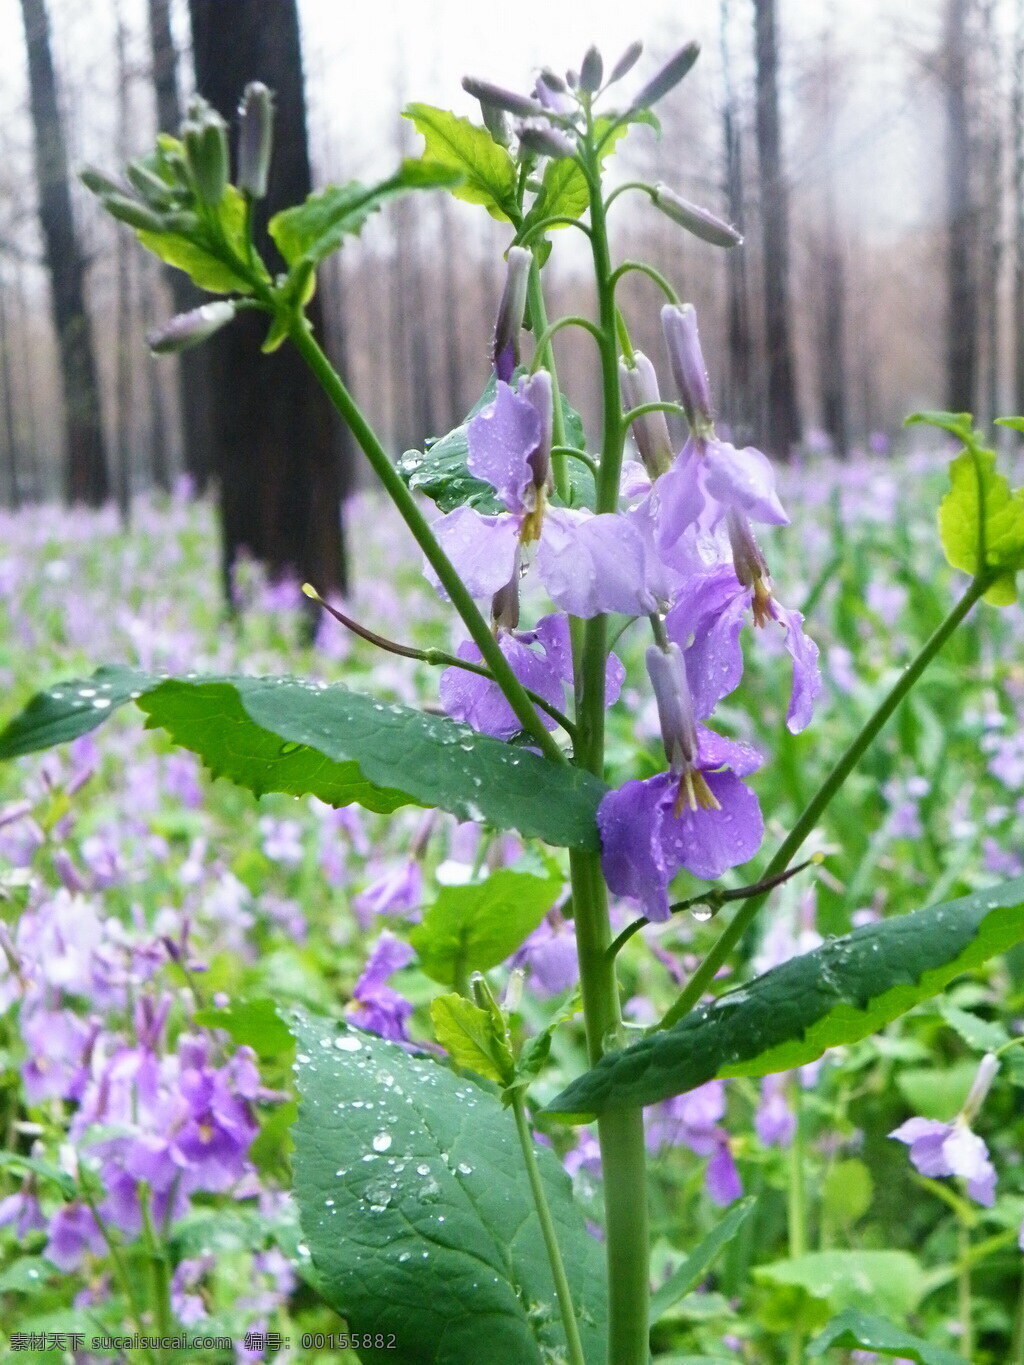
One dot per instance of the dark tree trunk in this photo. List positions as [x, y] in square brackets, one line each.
[193, 367]
[10, 431]
[783, 414]
[832, 371]
[739, 390]
[124, 423]
[276, 442]
[86, 477]
[961, 219]
[1018, 209]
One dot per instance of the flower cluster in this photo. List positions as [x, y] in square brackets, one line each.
[680, 549]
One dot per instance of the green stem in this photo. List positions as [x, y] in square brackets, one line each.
[394, 485]
[620, 1131]
[547, 1227]
[797, 1191]
[120, 1268]
[1017, 1354]
[160, 1281]
[542, 358]
[642, 268]
[539, 318]
[741, 921]
[965, 1308]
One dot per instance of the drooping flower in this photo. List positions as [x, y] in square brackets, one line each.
[938, 1149]
[705, 621]
[588, 562]
[376, 1006]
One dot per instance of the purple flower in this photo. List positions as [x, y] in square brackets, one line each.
[706, 619]
[376, 1006]
[722, 1179]
[22, 1210]
[938, 1149]
[540, 658]
[73, 1232]
[648, 833]
[398, 891]
[589, 563]
[550, 956]
[774, 1121]
[692, 1120]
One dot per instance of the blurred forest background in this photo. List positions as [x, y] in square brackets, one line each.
[874, 162]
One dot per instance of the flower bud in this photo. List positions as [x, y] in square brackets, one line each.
[500, 98]
[255, 139]
[505, 602]
[591, 71]
[537, 391]
[189, 329]
[747, 556]
[650, 432]
[154, 190]
[537, 135]
[205, 136]
[667, 78]
[505, 348]
[701, 222]
[980, 1086]
[97, 183]
[667, 671]
[626, 62]
[679, 324]
[133, 213]
[496, 123]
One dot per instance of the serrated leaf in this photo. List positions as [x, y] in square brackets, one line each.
[701, 1258]
[838, 993]
[417, 1210]
[254, 1023]
[202, 259]
[994, 536]
[852, 1279]
[473, 928]
[958, 424]
[310, 231]
[468, 1035]
[857, 1330]
[287, 735]
[980, 1034]
[489, 173]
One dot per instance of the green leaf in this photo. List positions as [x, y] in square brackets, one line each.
[936, 1093]
[700, 1260]
[470, 1036]
[841, 992]
[201, 257]
[993, 539]
[473, 928]
[46, 1170]
[489, 173]
[979, 1034]
[441, 472]
[302, 738]
[856, 1330]
[28, 1275]
[892, 1280]
[312, 230]
[417, 1210]
[255, 1023]
[846, 1192]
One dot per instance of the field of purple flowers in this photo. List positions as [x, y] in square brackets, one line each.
[144, 1170]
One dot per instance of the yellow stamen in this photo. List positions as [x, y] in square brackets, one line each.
[762, 601]
[533, 521]
[694, 793]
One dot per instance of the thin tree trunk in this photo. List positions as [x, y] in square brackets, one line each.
[86, 477]
[193, 367]
[32, 451]
[10, 427]
[833, 374]
[961, 220]
[159, 446]
[123, 425]
[1018, 208]
[275, 435]
[783, 415]
[739, 390]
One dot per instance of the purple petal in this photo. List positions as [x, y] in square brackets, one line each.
[722, 1179]
[705, 622]
[501, 438]
[968, 1157]
[481, 703]
[926, 1139]
[709, 842]
[806, 673]
[592, 564]
[678, 496]
[632, 857]
[743, 479]
[389, 955]
[715, 751]
[482, 550]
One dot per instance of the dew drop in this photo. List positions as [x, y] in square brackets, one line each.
[381, 1142]
[701, 913]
